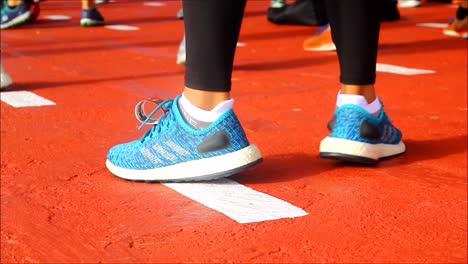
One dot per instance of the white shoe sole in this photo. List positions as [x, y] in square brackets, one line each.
[339, 148]
[452, 33]
[194, 170]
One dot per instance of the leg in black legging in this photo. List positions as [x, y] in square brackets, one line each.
[360, 130]
[355, 28]
[212, 29]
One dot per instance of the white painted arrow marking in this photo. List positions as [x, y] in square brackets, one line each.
[432, 25]
[237, 201]
[156, 4]
[122, 27]
[57, 17]
[381, 67]
[24, 99]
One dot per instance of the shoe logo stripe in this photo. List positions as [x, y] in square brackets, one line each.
[150, 156]
[164, 153]
[177, 148]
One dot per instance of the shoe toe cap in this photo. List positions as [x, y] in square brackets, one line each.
[121, 154]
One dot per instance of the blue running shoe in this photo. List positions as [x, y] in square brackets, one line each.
[174, 151]
[359, 137]
[91, 17]
[15, 16]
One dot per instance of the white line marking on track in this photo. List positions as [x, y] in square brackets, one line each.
[122, 27]
[381, 67]
[432, 25]
[24, 99]
[237, 201]
[57, 17]
[156, 4]
[241, 44]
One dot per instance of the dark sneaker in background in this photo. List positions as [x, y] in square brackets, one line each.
[91, 17]
[15, 16]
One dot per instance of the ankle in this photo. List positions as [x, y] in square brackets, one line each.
[368, 91]
[13, 3]
[199, 118]
[205, 100]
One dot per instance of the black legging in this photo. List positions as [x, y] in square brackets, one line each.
[212, 29]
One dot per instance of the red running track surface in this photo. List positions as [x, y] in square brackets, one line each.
[60, 204]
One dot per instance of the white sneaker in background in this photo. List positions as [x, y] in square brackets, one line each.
[181, 52]
[5, 79]
[408, 3]
[277, 3]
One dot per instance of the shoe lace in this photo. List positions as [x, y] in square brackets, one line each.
[161, 124]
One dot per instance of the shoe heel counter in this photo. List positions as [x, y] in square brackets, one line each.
[234, 128]
[392, 134]
[346, 123]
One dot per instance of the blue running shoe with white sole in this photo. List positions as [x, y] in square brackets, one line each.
[15, 16]
[174, 151]
[357, 136]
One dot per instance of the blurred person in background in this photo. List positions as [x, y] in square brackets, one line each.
[18, 12]
[458, 25]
